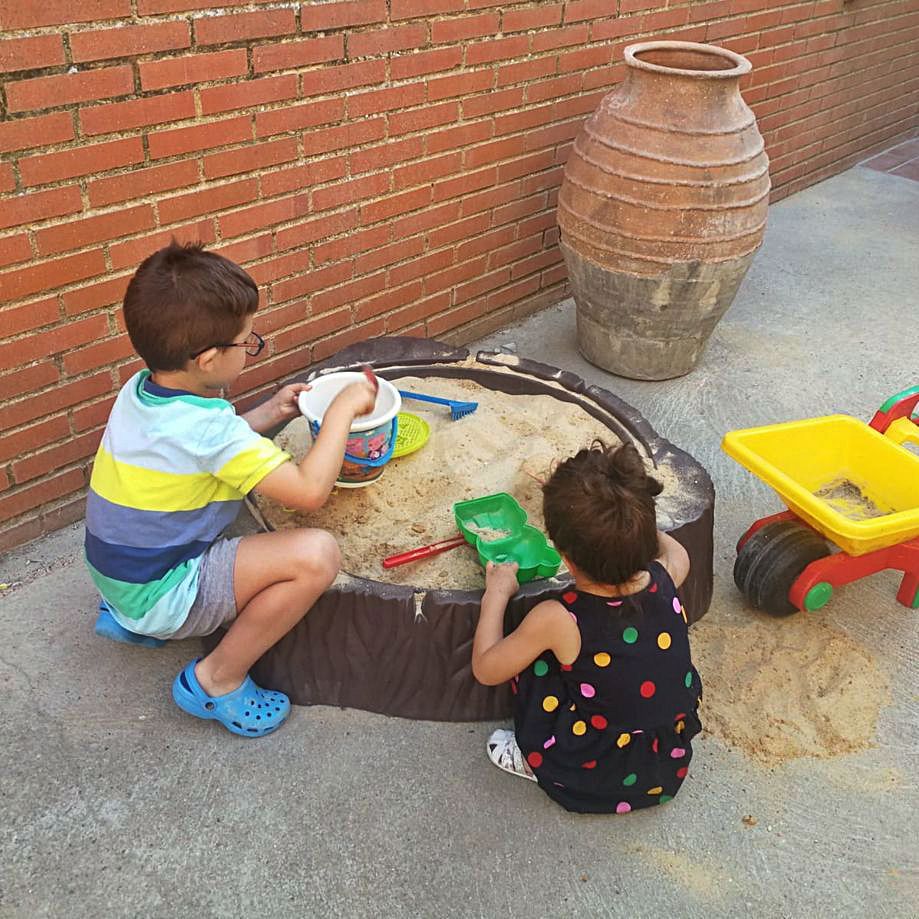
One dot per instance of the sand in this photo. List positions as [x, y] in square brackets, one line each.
[780, 689]
[848, 499]
[506, 445]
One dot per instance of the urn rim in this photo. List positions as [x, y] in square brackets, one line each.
[738, 64]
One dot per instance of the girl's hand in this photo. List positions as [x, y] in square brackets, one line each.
[501, 580]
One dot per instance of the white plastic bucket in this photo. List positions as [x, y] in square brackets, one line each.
[373, 436]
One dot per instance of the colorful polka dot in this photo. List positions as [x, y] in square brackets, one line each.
[623, 807]
[623, 740]
[630, 635]
[571, 707]
[550, 703]
[598, 722]
[677, 606]
[590, 764]
[656, 790]
[575, 618]
[588, 691]
[570, 597]
[614, 602]
[602, 659]
[549, 743]
[647, 689]
[677, 753]
[534, 759]
[653, 588]
[680, 727]
[540, 668]
[566, 668]
[579, 728]
[688, 680]
[681, 772]
[683, 614]
[654, 745]
[664, 799]
[663, 641]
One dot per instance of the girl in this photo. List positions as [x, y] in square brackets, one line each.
[606, 693]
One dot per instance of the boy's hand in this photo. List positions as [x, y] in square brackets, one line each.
[284, 401]
[359, 397]
[501, 580]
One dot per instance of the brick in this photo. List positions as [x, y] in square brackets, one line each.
[250, 158]
[209, 200]
[512, 293]
[301, 53]
[460, 84]
[469, 181]
[536, 262]
[295, 117]
[11, 445]
[489, 103]
[347, 293]
[316, 17]
[395, 205]
[386, 154]
[30, 379]
[290, 263]
[309, 231]
[83, 160]
[327, 80]
[152, 7]
[29, 317]
[410, 9]
[141, 182]
[422, 118]
[560, 38]
[24, 133]
[444, 280]
[386, 40]
[380, 256]
[31, 496]
[22, 14]
[105, 293]
[577, 10]
[387, 301]
[515, 251]
[421, 63]
[462, 28]
[463, 134]
[401, 321]
[492, 152]
[63, 89]
[129, 41]
[43, 343]
[329, 346]
[7, 179]
[481, 285]
[584, 59]
[264, 215]
[460, 230]
[192, 68]
[532, 18]
[138, 113]
[351, 244]
[385, 100]
[218, 30]
[95, 414]
[309, 282]
[551, 89]
[427, 170]
[422, 267]
[247, 250]
[491, 197]
[497, 49]
[200, 137]
[30, 53]
[21, 533]
[485, 243]
[40, 205]
[14, 249]
[522, 121]
[348, 192]
[455, 317]
[425, 220]
[247, 94]
[308, 331]
[525, 71]
[279, 181]
[45, 461]
[352, 134]
[131, 253]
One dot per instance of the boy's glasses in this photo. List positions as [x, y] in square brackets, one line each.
[253, 345]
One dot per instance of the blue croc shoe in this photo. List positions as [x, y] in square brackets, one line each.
[109, 627]
[249, 711]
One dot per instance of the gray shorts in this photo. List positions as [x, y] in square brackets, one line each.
[215, 604]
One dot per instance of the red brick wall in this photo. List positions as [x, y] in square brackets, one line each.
[380, 166]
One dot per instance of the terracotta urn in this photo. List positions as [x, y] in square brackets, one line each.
[662, 208]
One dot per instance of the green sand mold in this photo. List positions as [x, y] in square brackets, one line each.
[524, 544]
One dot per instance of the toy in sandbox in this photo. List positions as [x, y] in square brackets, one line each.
[849, 486]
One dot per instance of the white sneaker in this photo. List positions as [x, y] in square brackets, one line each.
[505, 754]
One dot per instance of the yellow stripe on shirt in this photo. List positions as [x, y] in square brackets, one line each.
[249, 467]
[152, 490]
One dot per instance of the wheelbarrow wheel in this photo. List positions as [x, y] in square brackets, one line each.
[770, 561]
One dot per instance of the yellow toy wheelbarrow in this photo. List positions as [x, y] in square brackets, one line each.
[852, 492]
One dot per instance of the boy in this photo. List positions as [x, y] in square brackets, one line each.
[172, 469]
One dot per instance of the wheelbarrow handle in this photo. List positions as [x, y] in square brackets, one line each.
[902, 405]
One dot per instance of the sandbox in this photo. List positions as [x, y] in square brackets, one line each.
[399, 641]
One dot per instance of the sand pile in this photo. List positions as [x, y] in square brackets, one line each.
[500, 447]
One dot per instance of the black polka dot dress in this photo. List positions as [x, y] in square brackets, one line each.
[612, 732]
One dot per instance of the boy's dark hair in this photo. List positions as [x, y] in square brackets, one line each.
[183, 300]
[599, 510]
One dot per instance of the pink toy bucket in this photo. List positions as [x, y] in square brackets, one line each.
[373, 436]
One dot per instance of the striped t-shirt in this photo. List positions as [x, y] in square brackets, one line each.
[168, 477]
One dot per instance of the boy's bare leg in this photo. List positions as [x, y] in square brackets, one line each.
[277, 578]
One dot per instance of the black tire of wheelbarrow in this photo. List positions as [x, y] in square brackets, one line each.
[770, 561]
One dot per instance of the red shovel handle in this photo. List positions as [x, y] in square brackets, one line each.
[424, 552]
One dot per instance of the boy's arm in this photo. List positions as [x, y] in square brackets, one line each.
[307, 486]
[281, 407]
[673, 557]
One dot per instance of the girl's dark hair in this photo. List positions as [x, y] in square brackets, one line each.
[599, 510]
[183, 300]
